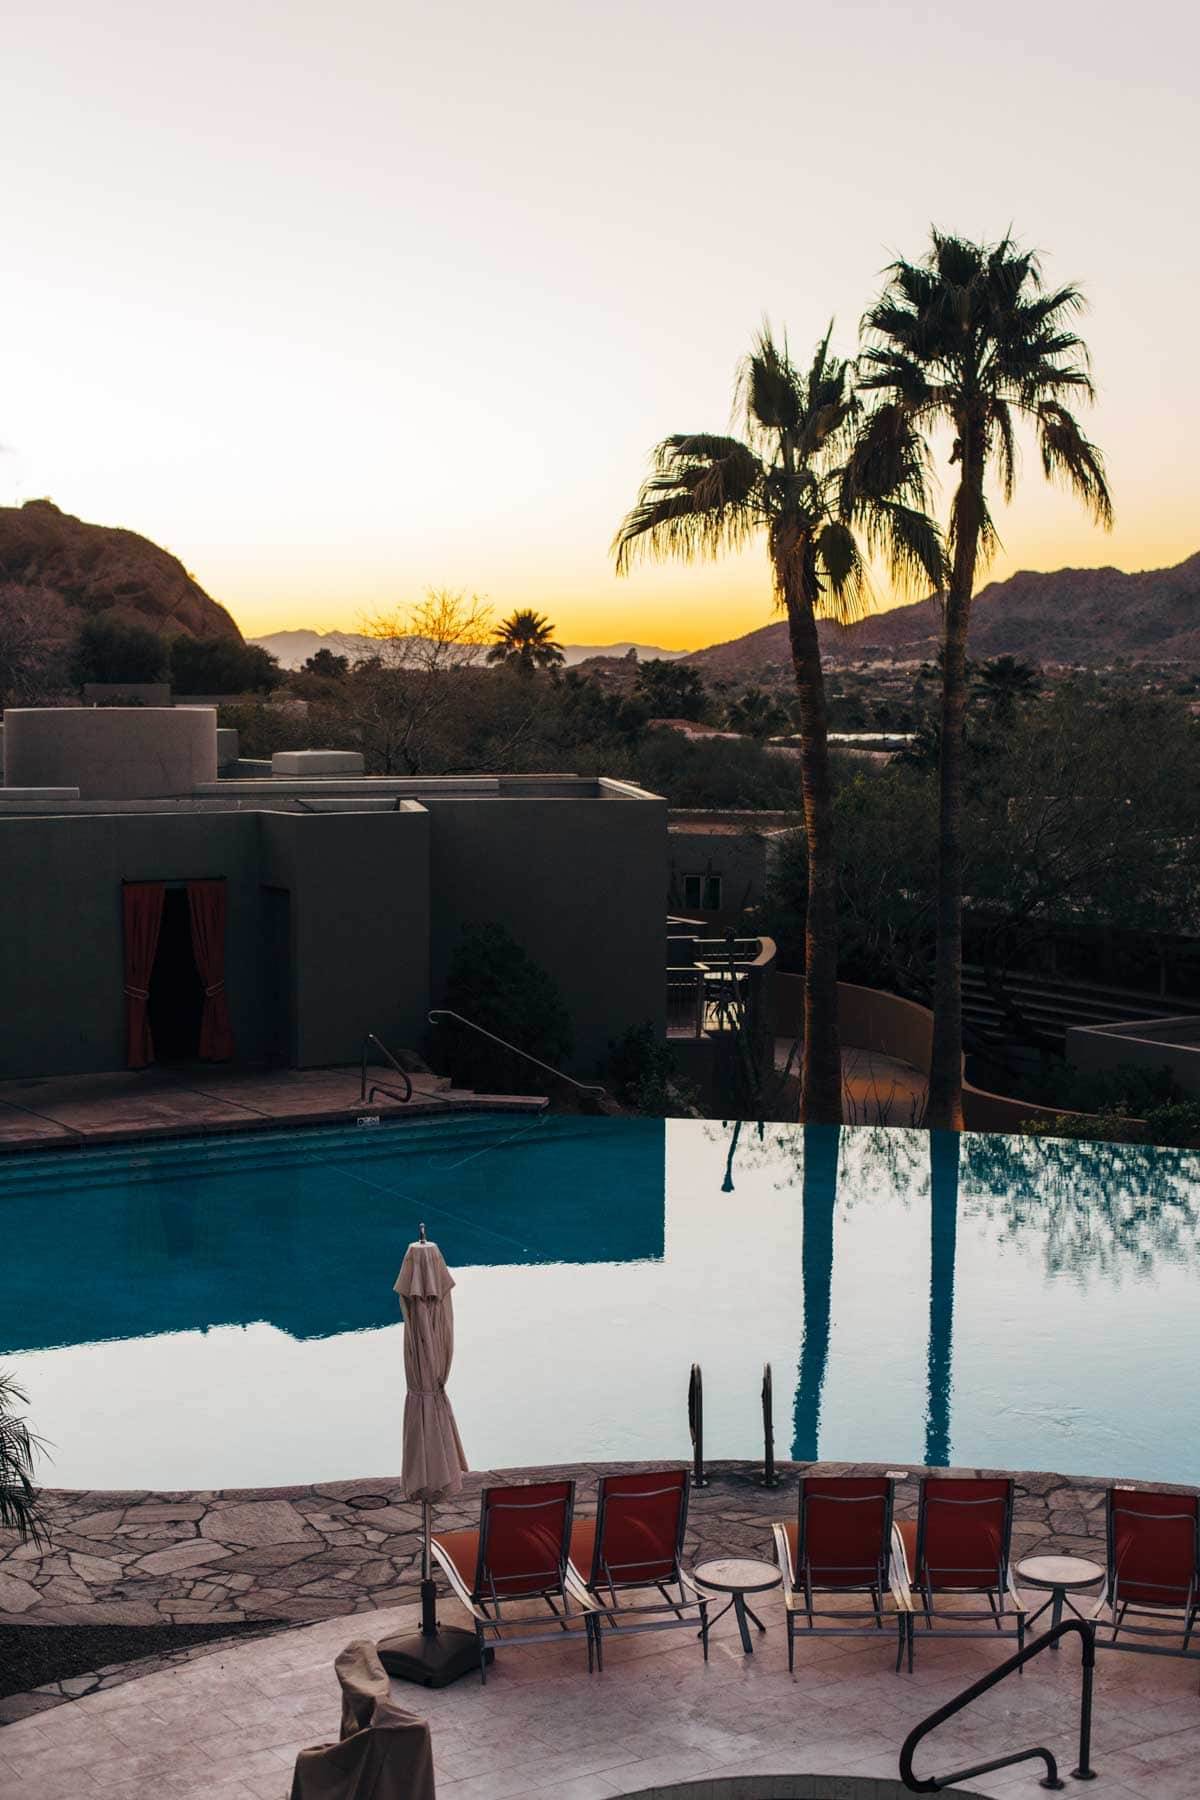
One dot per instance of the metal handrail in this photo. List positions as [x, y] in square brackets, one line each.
[378, 1089]
[935, 1783]
[696, 1425]
[585, 1087]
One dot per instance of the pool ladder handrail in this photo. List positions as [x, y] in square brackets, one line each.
[585, 1087]
[934, 1784]
[382, 1087]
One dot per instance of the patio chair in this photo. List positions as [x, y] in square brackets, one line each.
[840, 1543]
[1153, 1571]
[633, 1546]
[959, 1546]
[517, 1555]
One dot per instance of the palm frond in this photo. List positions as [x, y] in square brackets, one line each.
[703, 497]
[846, 592]
[1072, 459]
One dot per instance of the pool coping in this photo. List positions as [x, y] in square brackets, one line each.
[302, 1555]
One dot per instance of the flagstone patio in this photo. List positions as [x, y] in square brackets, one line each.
[225, 1722]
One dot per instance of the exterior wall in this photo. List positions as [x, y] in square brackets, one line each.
[1150, 1044]
[739, 858]
[61, 951]
[359, 885]
[111, 752]
[578, 883]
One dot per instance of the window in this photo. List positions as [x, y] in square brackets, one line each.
[702, 893]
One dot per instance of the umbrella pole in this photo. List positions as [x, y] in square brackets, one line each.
[429, 1623]
[436, 1655]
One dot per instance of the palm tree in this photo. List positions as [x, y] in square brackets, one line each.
[816, 478]
[1004, 680]
[525, 642]
[19, 1507]
[970, 337]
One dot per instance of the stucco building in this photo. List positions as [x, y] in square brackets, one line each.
[279, 919]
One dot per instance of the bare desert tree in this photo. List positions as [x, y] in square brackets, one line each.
[401, 693]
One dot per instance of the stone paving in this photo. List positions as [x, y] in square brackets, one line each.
[293, 1555]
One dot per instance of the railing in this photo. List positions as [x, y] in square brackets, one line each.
[584, 1087]
[696, 1425]
[380, 1087]
[1084, 1772]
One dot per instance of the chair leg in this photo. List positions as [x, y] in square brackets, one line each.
[483, 1658]
[704, 1627]
[587, 1627]
[791, 1637]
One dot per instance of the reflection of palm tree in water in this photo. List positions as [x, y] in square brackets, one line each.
[943, 1237]
[822, 1144]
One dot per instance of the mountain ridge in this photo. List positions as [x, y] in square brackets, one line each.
[294, 647]
[105, 569]
[1075, 617]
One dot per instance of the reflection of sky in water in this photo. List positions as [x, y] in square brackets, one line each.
[221, 1312]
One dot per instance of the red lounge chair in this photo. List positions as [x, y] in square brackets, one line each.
[1153, 1570]
[840, 1543]
[959, 1545]
[634, 1545]
[518, 1554]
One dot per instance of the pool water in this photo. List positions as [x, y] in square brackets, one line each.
[219, 1312]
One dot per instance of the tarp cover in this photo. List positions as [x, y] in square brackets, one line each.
[385, 1753]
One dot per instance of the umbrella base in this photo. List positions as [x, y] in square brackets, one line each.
[433, 1662]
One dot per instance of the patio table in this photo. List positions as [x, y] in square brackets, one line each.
[738, 1576]
[1062, 1576]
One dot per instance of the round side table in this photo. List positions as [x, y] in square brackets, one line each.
[737, 1576]
[1062, 1576]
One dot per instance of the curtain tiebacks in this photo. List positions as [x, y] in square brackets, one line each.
[218, 987]
[138, 993]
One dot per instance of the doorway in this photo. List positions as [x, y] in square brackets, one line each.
[176, 990]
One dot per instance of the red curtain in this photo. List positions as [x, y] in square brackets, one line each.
[206, 905]
[141, 907]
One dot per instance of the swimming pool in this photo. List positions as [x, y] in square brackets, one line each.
[219, 1312]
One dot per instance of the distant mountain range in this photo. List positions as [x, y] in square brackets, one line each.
[295, 647]
[1080, 617]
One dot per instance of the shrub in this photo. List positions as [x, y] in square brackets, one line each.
[222, 666]
[498, 985]
[107, 649]
[642, 1070]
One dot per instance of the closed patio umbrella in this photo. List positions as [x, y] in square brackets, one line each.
[434, 1459]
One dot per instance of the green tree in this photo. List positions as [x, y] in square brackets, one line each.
[827, 488]
[109, 650]
[756, 714]
[222, 666]
[494, 982]
[20, 1510]
[971, 338]
[525, 642]
[1002, 681]
[670, 690]
[323, 662]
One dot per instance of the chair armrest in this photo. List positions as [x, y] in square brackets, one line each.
[783, 1556]
[579, 1590]
[1016, 1597]
[899, 1579]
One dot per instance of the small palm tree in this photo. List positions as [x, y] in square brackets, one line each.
[1004, 680]
[970, 337]
[19, 1506]
[525, 642]
[827, 488]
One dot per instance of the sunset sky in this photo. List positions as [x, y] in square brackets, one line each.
[342, 302]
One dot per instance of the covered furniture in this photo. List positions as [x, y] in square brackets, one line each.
[625, 1565]
[384, 1753]
[839, 1545]
[516, 1558]
[1152, 1590]
[959, 1547]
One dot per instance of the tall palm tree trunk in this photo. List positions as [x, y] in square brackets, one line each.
[944, 1109]
[821, 1067]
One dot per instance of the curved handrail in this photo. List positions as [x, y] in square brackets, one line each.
[403, 1073]
[935, 1783]
[585, 1087]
